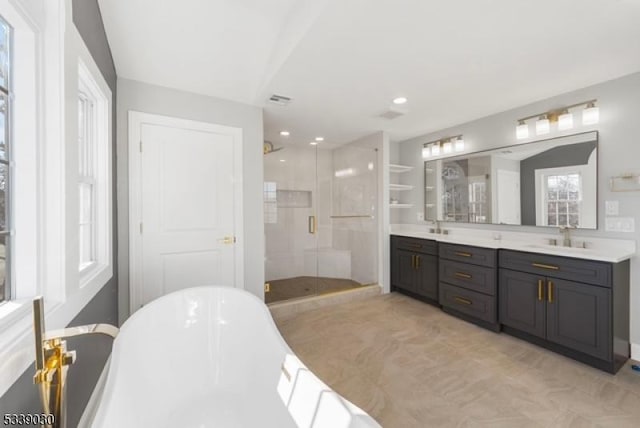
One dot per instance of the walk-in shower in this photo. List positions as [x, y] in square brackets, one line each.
[320, 210]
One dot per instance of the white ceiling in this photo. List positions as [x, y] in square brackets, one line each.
[343, 61]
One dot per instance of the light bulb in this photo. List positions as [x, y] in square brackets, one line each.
[522, 130]
[542, 125]
[565, 121]
[591, 114]
[447, 147]
[435, 149]
[426, 152]
[459, 144]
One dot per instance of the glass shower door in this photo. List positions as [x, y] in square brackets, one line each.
[291, 223]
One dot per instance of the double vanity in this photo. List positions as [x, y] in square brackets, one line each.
[574, 301]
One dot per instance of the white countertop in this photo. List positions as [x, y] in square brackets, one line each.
[606, 250]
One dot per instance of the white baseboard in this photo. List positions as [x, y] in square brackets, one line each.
[635, 351]
[94, 401]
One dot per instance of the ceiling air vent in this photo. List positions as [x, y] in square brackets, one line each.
[391, 114]
[394, 111]
[280, 100]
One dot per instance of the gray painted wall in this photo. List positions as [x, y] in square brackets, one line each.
[618, 153]
[142, 97]
[573, 154]
[92, 352]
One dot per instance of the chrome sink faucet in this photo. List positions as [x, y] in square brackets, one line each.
[566, 235]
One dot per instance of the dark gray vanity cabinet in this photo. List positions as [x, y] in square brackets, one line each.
[468, 283]
[586, 318]
[414, 266]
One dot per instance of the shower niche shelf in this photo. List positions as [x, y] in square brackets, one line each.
[293, 198]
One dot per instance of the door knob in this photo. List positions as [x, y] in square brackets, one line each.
[228, 240]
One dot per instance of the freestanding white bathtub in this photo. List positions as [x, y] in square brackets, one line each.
[213, 357]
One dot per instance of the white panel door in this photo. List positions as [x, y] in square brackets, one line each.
[187, 210]
[508, 190]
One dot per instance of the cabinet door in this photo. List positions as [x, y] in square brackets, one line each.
[522, 301]
[427, 276]
[404, 271]
[578, 317]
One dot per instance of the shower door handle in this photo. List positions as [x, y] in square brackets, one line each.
[312, 224]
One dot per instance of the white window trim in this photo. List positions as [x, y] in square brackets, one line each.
[56, 47]
[93, 84]
[541, 187]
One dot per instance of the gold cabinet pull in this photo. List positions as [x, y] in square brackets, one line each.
[462, 300]
[312, 224]
[550, 291]
[417, 262]
[463, 275]
[543, 266]
[413, 261]
[463, 254]
[541, 289]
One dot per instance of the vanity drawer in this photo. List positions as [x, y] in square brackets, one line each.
[416, 245]
[467, 254]
[472, 277]
[578, 270]
[469, 302]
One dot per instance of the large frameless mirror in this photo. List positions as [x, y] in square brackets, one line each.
[550, 183]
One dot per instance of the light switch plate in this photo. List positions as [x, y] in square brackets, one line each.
[612, 207]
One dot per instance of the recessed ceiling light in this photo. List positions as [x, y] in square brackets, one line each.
[399, 100]
[319, 138]
[282, 160]
[313, 143]
[285, 133]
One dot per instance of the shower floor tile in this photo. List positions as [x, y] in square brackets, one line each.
[305, 286]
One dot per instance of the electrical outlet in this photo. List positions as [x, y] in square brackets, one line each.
[420, 216]
[612, 207]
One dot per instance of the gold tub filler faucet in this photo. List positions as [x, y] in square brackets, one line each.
[53, 359]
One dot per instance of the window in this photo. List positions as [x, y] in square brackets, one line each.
[477, 201]
[94, 172]
[87, 180]
[5, 156]
[563, 198]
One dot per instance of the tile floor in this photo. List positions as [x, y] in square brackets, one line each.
[410, 365]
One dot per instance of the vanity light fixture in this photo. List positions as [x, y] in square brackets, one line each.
[591, 114]
[282, 160]
[522, 130]
[445, 146]
[400, 100]
[542, 125]
[313, 143]
[562, 116]
[565, 120]
[285, 133]
[319, 139]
